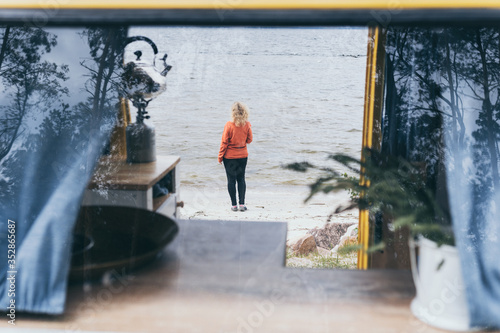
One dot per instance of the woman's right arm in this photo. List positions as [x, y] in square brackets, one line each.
[250, 134]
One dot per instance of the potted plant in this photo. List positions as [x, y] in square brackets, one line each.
[399, 190]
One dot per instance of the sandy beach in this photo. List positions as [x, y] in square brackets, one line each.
[272, 203]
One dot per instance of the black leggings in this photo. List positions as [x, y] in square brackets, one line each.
[235, 172]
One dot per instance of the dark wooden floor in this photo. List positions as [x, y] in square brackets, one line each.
[230, 277]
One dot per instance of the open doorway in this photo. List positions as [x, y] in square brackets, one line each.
[304, 88]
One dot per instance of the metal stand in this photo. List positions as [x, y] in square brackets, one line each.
[141, 141]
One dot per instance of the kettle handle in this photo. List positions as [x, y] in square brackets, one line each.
[144, 39]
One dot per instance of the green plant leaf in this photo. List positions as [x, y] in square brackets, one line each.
[402, 221]
[378, 247]
[349, 249]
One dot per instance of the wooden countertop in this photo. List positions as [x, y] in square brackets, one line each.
[120, 175]
[224, 277]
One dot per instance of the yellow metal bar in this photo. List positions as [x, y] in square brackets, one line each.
[249, 4]
[371, 71]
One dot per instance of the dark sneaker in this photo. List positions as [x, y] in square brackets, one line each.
[243, 208]
[234, 208]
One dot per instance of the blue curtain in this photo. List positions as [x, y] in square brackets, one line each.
[442, 108]
[58, 104]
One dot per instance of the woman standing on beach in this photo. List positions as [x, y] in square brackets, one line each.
[233, 152]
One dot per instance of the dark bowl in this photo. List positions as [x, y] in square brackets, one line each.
[115, 238]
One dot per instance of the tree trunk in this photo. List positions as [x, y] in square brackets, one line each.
[96, 114]
[451, 87]
[488, 109]
[4, 46]
[111, 67]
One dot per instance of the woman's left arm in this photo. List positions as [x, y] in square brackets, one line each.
[224, 143]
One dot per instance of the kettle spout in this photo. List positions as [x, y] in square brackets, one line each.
[166, 68]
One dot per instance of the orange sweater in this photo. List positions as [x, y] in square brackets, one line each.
[234, 141]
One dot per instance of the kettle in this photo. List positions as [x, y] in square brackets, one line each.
[143, 81]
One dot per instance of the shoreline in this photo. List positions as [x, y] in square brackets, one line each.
[270, 203]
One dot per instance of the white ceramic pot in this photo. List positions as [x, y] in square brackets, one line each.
[440, 299]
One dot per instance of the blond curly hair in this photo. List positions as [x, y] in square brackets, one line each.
[239, 114]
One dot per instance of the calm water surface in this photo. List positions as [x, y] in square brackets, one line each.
[304, 88]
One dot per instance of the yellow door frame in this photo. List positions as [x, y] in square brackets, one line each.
[374, 95]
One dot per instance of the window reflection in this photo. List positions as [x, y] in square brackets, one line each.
[442, 87]
[58, 102]
[442, 111]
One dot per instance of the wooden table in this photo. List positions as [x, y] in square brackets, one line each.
[230, 277]
[118, 183]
